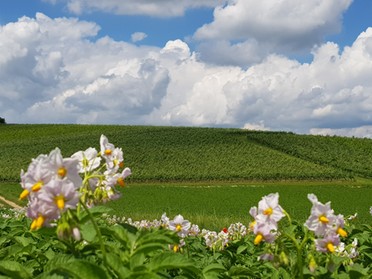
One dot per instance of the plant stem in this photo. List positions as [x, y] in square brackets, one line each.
[98, 232]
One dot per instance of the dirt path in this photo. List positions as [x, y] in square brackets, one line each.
[12, 204]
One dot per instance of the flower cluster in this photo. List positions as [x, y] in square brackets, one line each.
[51, 185]
[326, 226]
[215, 240]
[101, 180]
[54, 185]
[266, 218]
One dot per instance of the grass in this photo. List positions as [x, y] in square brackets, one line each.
[212, 176]
[216, 205]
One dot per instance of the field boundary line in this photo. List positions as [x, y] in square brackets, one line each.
[12, 204]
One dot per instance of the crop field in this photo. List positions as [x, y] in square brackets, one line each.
[170, 153]
[215, 206]
[212, 176]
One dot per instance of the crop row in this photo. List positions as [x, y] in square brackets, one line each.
[353, 155]
[165, 153]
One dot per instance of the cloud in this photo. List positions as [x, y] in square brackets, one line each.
[138, 36]
[163, 8]
[359, 132]
[48, 75]
[282, 27]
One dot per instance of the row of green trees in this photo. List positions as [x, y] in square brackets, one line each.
[2, 120]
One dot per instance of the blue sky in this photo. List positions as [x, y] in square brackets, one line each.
[296, 66]
[119, 27]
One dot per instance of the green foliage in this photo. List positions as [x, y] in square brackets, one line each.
[2, 120]
[178, 153]
[132, 253]
[352, 155]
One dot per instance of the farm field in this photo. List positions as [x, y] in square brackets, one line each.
[212, 176]
[215, 206]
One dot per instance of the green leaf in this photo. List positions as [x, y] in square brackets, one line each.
[24, 241]
[80, 269]
[14, 269]
[172, 261]
[241, 249]
[88, 231]
[120, 234]
[240, 271]
[358, 271]
[136, 262]
[58, 260]
[213, 270]
[117, 265]
[148, 248]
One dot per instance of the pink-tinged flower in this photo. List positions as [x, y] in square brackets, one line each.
[237, 231]
[328, 243]
[194, 230]
[269, 210]
[60, 194]
[112, 155]
[117, 178]
[210, 238]
[322, 216]
[88, 159]
[180, 225]
[64, 167]
[253, 213]
[164, 220]
[177, 247]
[41, 213]
[264, 231]
[339, 225]
[38, 174]
[266, 257]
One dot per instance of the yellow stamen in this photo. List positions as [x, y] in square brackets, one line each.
[258, 239]
[330, 247]
[60, 201]
[62, 172]
[37, 186]
[342, 232]
[268, 211]
[120, 181]
[178, 228]
[33, 225]
[40, 221]
[108, 152]
[24, 194]
[175, 248]
[323, 219]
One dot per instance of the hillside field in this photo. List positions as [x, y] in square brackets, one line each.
[210, 175]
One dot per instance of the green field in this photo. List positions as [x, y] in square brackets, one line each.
[212, 176]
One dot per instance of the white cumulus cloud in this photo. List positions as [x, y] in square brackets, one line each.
[50, 75]
[138, 36]
[162, 8]
[287, 26]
